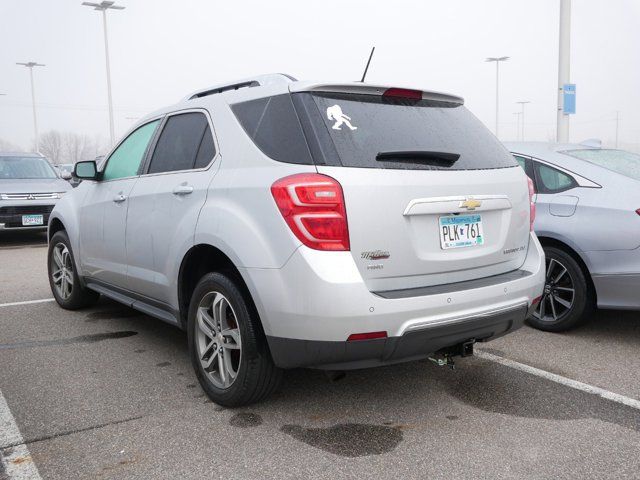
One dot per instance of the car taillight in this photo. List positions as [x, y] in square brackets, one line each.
[313, 207]
[532, 205]
[403, 93]
[638, 211]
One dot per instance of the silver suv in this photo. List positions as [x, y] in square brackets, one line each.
[291, 224]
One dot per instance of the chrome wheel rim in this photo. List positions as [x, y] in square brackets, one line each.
[62, 271]
[558, 294]
[218, 340]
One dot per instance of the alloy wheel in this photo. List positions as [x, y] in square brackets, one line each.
[62, 271]
[558, 295]
[218, 339]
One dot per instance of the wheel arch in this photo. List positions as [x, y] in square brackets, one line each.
[55, 225]
[554, 242]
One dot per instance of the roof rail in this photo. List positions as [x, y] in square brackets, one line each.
[257, 81]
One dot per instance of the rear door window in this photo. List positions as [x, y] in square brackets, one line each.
[180, 142]
[551, 180]
[370, 131]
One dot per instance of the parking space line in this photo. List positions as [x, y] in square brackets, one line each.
[568, 382]
[17, 461]
[26, 302]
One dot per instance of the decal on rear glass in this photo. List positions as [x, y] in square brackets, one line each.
[335, 113]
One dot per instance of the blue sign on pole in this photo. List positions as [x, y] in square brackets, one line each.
[569, 98]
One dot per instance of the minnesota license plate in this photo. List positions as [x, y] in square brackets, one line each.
[29, 220]
[461, 231]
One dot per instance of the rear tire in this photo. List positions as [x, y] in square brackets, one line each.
[227, 346]
[567, 300]
[63, 276]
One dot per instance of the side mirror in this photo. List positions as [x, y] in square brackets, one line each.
[66, 175]
[86, 170]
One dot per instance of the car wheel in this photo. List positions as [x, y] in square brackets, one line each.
[566, 300]
[63, 277]
[227, 346]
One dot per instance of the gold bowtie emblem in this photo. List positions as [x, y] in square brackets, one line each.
[470, 204]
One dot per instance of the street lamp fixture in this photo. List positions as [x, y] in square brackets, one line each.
[30, 66]
[103, 7]
[497, 60]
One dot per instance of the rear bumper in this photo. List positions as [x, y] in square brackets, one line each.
[415, 345]
[310, 306]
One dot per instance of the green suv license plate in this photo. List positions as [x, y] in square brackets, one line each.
[460, 231]
[30, 220]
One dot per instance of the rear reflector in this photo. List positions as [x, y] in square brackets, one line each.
[354, 337]
[536, 301]
[638, 211]
[313, 207]
[403, 93]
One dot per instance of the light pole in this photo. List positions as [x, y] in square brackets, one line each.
[522, 104]
[103, 7]
[564, 52]
[30, 66]
[497, 60]
[518, 116]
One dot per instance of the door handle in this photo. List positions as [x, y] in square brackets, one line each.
[183, 190]
[119, 198]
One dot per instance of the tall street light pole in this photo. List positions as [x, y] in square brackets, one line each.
[497, 60]
[30, 66]
[103, 7]
[562, 134]
[518, 116]
[522, 104]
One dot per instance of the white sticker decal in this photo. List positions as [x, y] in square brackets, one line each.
[335, 113]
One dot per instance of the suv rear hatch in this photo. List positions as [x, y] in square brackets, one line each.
[432, 197]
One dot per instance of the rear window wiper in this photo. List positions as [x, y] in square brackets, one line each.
[445, 159]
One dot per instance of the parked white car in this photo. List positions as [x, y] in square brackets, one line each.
[294, 224]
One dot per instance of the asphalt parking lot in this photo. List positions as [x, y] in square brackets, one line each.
[110, 393]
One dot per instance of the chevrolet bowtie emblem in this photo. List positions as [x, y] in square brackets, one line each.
[470, 204]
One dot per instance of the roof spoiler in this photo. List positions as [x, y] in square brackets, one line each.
[368, 89]
[257, 81]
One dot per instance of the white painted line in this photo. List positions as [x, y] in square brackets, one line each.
[27, 302]
[568, 382]
[14, 454]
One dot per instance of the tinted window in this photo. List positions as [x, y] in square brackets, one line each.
[374, 132]
[25, 167]
[274, 127]
[207, 150]
[550, 180]
[525, 163]
[126, 159]
[625, 163]
[178, 143]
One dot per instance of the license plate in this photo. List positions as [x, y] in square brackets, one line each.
[460, 231]
[28, 220]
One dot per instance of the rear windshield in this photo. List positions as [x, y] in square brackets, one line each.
[369, 131]
[625, 163]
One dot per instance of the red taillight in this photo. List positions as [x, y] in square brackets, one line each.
[638, 211]
[403, 93]
[313, 207]
[354, 337]
[536, 301]
[532, 205]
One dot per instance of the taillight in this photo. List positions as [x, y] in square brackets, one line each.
[313, 207]
[638, 211]
[532, 205]
[403, 93]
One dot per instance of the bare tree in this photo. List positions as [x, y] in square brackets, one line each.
[69, 147]
[9, 147]
[51, 146]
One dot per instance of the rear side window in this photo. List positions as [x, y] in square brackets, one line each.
[126, 159]
[550, 180]
[272, 123]
[369, 131]
[179, 144]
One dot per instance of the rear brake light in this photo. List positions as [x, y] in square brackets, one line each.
[532, 205]
[313, 207]
[638, 211]
[354, 337]
[403, 93]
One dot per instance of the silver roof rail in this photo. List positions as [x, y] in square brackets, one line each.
[257, 81]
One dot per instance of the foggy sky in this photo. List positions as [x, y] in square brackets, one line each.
[161, 50]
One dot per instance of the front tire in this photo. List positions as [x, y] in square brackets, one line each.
[567, 300]
[227, 347]
[63, 277]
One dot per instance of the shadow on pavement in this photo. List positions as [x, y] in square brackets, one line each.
[19, 239]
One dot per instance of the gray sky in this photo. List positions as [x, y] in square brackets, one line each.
[161, 50]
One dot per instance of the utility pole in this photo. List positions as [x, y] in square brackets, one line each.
[564, 57]
[30, 66]
[497, 60]
[522, 104]
[103, 7]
